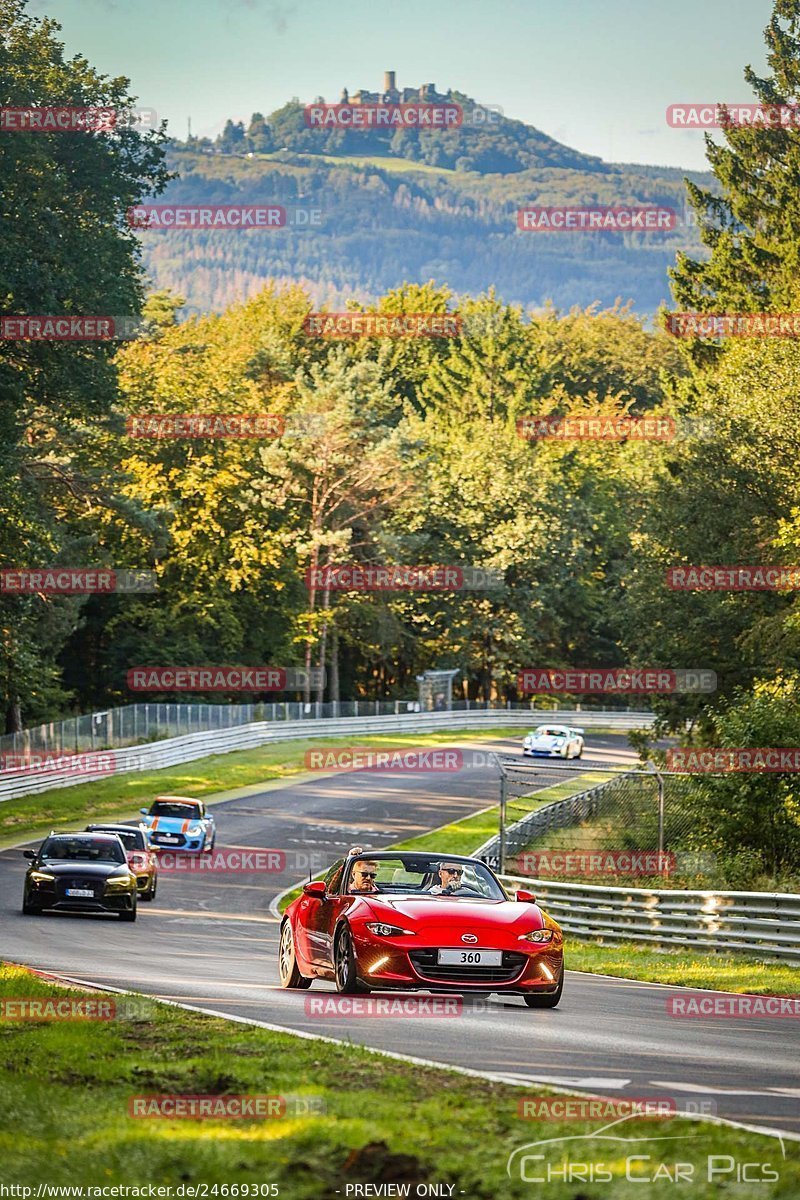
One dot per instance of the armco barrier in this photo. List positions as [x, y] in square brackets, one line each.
[172, 751]
[766, 924]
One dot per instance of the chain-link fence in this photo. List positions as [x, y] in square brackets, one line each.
[135, 724]
[634, 822]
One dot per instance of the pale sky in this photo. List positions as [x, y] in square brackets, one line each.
[595, 74]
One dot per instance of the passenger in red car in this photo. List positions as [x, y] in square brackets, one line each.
[450, 875]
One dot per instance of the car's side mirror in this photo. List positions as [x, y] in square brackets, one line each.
[29, 853]
[315, 888]
[143, 810]
[525, 897]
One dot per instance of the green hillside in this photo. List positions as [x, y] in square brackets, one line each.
[413, 206]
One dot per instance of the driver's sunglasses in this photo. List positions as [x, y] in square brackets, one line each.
[367, 874]
[453, 870]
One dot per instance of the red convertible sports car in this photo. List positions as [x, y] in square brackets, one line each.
[422, 921]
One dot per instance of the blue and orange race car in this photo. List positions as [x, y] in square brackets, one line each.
[180, 823]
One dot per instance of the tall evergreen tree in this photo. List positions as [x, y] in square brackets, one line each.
[752, 227]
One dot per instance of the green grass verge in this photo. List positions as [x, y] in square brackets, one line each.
[685, 967]
[123, 795]
[67, 1087]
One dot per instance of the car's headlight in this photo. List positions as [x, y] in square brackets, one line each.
[115, 882]
[537, 935]
[384, 930]
[42, 877]
[195, 831]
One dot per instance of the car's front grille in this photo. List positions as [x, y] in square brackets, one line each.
[168, 839]
[426, 964]
[84, 883]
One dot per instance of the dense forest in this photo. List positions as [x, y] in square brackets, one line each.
[395, 450]
[414, 206]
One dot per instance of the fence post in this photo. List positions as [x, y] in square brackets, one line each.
[503, 802]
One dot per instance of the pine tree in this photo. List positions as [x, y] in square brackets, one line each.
[752, 227]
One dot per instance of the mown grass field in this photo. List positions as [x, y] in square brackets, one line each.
[67, 1087]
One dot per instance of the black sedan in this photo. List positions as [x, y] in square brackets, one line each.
[80, 872]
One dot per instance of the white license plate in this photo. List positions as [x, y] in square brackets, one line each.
[470, 958]
[167, 837]
[80, 892]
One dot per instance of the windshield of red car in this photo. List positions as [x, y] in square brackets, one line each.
[428, 877]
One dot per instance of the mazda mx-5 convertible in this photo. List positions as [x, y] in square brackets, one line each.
[422, 921]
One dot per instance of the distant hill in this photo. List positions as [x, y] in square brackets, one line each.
[413, 206]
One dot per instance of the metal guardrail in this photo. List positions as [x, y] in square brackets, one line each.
[135, 724]
[172, 751]
[759, 923]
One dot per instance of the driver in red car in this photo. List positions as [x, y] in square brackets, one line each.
[450, 875]
[363, 878]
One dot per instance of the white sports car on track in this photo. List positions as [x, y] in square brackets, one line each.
[554, 741]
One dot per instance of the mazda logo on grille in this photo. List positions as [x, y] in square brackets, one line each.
[468, 937]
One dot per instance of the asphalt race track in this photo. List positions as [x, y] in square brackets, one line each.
[210, 940]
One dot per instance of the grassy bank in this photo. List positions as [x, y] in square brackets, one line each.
[123, 795]
[67, 1087]
[685, 967]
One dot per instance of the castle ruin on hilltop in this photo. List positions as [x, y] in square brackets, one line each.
[392, 94]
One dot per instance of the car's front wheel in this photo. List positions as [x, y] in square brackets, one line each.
[149, 893]
[128, 914]
[546, 999]
[30, 910]
[344, 961]
[288, 971]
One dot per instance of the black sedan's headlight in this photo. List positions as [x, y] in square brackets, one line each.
[120, 883]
